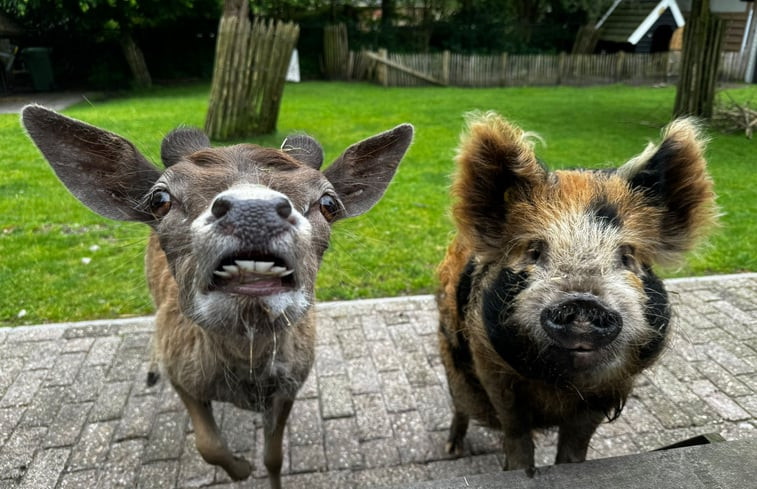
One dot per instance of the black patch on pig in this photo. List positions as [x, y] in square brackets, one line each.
[652, 178]
[507, 338]
[606, 213]
[462, 357]
[464, 285]
[657, 314]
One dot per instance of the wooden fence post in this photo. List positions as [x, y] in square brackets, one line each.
[336, 52]
[445, 66]
[382, 71]
[248, 75]
[619, 66]
[503, 69]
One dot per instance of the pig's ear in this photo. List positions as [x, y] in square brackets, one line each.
[181, 142]
[104, 171]
[496, 166]
[363, 172]
[673, 177]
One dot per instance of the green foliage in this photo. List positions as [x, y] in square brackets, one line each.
[392, 250]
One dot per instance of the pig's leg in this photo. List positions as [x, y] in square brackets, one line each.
[208, 438]
[519, 449]
[457, 433]
[275, 418]
[574, 436]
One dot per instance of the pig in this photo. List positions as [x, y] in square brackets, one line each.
[238, 234]
[548, 304]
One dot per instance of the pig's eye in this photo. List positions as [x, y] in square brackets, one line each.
[329, 207]
[160, 203]
[627, 258]
[535, 250]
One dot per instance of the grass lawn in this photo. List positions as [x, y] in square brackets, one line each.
[46, 235]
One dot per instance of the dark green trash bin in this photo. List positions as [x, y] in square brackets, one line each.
[37, 61]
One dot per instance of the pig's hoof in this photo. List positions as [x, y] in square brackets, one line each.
[530, 472]
[239, 469]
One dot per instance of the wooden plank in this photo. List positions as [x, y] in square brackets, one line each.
[404, 69]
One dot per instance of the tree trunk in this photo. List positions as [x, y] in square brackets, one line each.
[136, 61]
[249, 73]
[702, 45]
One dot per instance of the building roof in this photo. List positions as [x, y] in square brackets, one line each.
[629, 20]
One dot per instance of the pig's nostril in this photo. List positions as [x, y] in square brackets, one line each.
[220, 207]
[581, 321]
[283, 207]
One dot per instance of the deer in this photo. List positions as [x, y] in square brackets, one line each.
[238, 234]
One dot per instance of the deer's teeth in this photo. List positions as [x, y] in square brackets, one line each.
[222, 274]
[263, 266]
[286, 272]
[277, 270]
[234, 270]
[246, 265]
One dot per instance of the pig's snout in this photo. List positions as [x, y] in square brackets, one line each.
[581, 322]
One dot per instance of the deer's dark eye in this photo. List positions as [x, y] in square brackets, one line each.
[329, 207]
[160, 203]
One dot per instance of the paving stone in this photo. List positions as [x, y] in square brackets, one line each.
[398, 395]
[238, 428]
[45, 406]
[193, 470]
[749, 403]
[78, 480]
[42, 357]
[380, 452]
[137, 417]
[305, 423]
[307, 458]
[722, 404]
[88, 382]
[166, 438]
[24, 387]
[329, 361]
[9, 418]
[341, 444]
[389, 476]
[38, 334]
[464, 466]
[363, 376]
[65, 369]
[110, 402]
[374, 328]
[11, 368]
[336, 397]
[103, 351]
[45, 469]
[18, 451]
[92, 448]
[123, 464]
[77, 345]
[724, 381]
[90, 331]
[404, 337]
[411, 436]
[353, 344]
[126, 364]
[433, 406]
[384, 355]
[728, 360]
[67, 425]
[372, 418]
[158, 474]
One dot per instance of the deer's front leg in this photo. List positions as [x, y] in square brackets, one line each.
[274, 422]
[208, 438]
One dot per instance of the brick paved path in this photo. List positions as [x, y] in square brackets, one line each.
[75, 411]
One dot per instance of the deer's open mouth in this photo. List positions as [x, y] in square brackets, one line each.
[253, 275]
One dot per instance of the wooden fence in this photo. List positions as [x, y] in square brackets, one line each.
[392, 69]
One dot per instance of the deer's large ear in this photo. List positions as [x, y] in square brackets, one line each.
[363, 172]
[496, 166]
[101, 169]
[673, 177]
